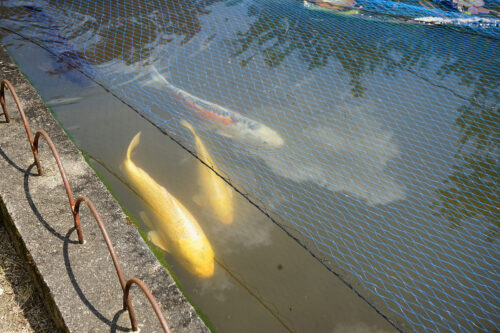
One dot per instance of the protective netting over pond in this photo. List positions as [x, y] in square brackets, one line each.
[368, 130]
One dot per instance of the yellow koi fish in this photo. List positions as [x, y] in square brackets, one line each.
[216, 192]
[176, 230]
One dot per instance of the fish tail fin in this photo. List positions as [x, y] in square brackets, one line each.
[135, 141]
[186, 124]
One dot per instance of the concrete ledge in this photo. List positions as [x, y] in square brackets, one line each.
[78, 282]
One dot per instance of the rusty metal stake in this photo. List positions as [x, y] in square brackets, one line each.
[67, 187]
[151, 299]
[6, 84]
[110, 246]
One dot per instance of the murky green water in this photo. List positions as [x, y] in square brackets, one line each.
[388, 172]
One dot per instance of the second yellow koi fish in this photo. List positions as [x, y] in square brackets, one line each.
[217, 194]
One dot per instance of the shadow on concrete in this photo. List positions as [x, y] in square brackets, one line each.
[113, 323]
[117, 316]
[14, 165]
[67, 240]
[35, 209]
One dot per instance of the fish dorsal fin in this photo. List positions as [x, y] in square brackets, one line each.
[154, 238]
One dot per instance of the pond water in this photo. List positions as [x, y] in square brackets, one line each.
[370, 144]
[263, 279]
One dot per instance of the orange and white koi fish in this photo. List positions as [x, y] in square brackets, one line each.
[231, 123]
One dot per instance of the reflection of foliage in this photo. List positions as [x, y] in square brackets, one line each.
[133, 29]
[473, 189]
[123, 29]
[276, 36]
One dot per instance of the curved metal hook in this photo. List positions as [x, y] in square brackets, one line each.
[105, 235]
[151, 299]
[6, 84]
[109, 244]
[59, 164]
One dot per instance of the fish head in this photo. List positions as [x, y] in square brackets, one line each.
[205, 270]
[198, 257]
[268, 136]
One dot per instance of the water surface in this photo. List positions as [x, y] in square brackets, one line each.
[388, 173]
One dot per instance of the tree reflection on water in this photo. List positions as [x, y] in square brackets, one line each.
[132, 30]
[472, 190]
[277, 36]
[129, 32]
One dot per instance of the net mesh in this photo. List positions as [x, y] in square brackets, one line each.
[367, 130]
